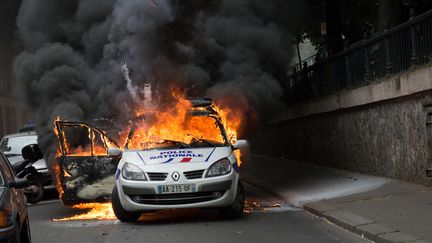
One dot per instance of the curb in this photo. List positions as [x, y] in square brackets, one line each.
[362, 226]
[261, 184]
[356, 224]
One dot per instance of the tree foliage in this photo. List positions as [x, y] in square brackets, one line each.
[357, 17]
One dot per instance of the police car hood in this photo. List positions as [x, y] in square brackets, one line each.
[172, 156]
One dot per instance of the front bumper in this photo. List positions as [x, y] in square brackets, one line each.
[210, 193]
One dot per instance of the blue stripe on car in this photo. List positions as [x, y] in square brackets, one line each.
[210, 155]
[169, 160]
[117, 174]
[141, 158]
[236, 168]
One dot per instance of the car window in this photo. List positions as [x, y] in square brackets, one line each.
[80, 139]
[194, 131]
[17, 143]
[98, 144]
[5, 169]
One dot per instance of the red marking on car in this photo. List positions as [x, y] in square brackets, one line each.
[184, 160]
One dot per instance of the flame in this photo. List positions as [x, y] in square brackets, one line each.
[232, 121]
[98, 211]
[175, 124]
[92, 149]
[57, 172]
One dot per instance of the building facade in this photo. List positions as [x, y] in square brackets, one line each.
[13, 114]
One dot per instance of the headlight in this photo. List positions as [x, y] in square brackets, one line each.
[5, 219]
[221, 167]
[133, 172]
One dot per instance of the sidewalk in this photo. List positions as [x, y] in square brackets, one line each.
[381, 209]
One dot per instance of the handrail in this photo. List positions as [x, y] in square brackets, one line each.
[363, 43]
[369, 58]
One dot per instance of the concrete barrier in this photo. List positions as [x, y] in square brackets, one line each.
[382, 129]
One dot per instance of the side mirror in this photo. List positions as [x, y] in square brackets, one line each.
[19, 183]
[31, 152]
[6, 149]
[240, 144]
[115, 152]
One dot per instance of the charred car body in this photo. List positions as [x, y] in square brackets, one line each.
[85, 172]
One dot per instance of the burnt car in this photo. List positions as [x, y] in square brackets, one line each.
[14, 221]
[85, 172]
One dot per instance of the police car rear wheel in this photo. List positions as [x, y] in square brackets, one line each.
[119, 211]
[236, 209]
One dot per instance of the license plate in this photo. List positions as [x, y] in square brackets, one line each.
[184, 188]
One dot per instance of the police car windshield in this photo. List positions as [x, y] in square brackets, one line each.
[195, 132]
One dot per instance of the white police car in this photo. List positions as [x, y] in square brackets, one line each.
[168, 174]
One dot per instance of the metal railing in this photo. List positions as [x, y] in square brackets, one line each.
[393, 51]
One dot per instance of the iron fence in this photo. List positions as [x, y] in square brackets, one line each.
[393, 51]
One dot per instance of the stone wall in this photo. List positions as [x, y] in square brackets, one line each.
[386, 138]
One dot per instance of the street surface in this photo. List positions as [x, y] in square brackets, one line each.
[267, 220]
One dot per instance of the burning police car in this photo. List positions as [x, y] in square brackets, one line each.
[201, 172]
[180, 158]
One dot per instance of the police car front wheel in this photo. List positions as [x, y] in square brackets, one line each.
[119, 211]
[236, 209]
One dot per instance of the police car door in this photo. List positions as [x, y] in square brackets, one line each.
[85, 171]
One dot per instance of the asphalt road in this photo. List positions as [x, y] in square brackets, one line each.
[267, 220]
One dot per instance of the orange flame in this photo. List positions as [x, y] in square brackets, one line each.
[98, 211]
[175, 124]
[57, 172]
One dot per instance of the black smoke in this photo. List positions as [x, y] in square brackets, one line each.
[235, 51]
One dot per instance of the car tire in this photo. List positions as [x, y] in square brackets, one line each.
[236, 209]
[119, 211]
[34, 198]
[25, 232]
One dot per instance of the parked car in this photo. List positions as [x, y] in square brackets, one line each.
[12, 144]
[25, 169]
[14, 221]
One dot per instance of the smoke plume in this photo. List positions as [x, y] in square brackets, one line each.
[235, 51]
